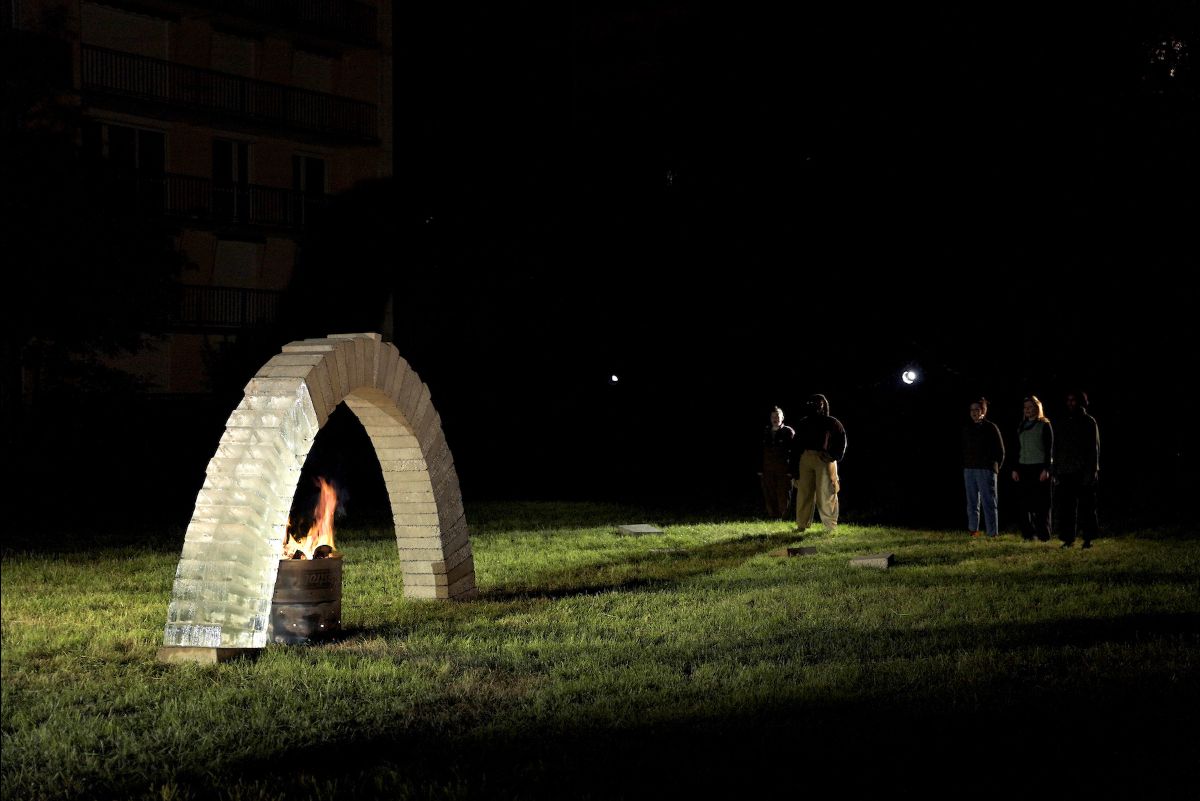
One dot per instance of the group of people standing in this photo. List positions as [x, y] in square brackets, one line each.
[1053, 471]
[804, 458]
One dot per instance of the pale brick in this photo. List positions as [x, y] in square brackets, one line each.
[418, 591]
[464, 569]
[420, 554]
[421, 497]
[365, 369]
[406, 482]
[415, 508]
[419, 543]
[410, 393]
[388, 358]
[310, 346]
[416, 519]
[396, 439]
[371, 335]
[433, 441]
[419, 530]
[320, 386]
[455, 559]
[420, 418]
[283, 359]
[450, 511]
[398, 454]
[455, 536]
[413, 402]
[371, 360]
[462, 585]
[354, 353]
[399, 378]
[289, 370]
[432, 427]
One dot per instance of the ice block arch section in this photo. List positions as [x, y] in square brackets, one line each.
[221, 601]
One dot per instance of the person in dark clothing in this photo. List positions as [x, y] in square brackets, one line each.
[982, 455]
[775, 471]
[1035, 459]
[1077, 472]
[820, 445]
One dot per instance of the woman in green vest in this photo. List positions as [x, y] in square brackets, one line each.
[1035, 457]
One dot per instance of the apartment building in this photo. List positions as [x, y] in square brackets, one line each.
[231, 123]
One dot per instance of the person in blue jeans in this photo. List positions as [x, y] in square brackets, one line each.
[982, 455]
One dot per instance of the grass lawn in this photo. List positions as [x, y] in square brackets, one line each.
[596, 665]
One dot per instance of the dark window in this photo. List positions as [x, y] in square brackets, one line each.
[134, 160]
[231, 179]
[308, 181]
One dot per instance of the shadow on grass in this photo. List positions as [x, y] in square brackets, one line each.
[1011, 738]
[657, 567]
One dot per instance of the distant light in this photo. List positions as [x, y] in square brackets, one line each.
[613, 379]
[909, 376]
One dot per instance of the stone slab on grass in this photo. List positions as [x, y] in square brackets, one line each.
[807, 550]
[639, 529]
[880, 560]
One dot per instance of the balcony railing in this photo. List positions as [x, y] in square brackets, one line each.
[152, 79]
[195, 198]
[226, 307]
[341, 19]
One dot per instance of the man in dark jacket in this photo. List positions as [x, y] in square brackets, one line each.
[982, 455]
[1076, 472]
[775, 471]
[820, 445]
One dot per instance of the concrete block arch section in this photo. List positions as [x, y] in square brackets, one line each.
[221, 601]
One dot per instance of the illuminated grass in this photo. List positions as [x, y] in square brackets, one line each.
[599, 665]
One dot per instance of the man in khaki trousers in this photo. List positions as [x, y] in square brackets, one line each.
[820, 444]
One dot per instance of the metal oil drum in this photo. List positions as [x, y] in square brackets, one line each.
[307, 604]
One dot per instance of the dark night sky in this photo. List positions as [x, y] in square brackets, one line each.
[733, 206]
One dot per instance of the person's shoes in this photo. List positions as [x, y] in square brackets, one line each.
[1086, 544]
[976, 534]
[1066, 545]
[1043, 539]
[1027, 538]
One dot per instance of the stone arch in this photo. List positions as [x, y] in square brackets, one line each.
[221, 601]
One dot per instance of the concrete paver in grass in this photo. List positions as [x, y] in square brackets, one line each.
[879, 560]
[639, 529]
[806, 550]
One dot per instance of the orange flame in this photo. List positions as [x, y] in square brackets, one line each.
[321, 531]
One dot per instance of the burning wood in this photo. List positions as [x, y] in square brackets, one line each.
[317, 543]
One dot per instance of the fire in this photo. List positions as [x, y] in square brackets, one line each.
[320, 533]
